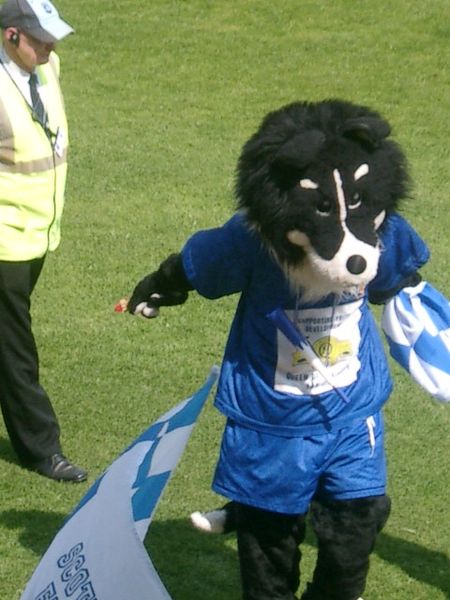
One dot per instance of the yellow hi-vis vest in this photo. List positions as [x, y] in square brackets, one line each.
[33, 168]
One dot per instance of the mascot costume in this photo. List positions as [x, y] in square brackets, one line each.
[304, 378]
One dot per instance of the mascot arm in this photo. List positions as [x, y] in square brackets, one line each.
[383, 296]
[214, 262]
[403, 253]
[416, 317]
[168, 286]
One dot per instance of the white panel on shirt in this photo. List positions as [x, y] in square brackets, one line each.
[335, 336]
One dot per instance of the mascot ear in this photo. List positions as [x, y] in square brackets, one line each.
[368, 131]
[300, 150]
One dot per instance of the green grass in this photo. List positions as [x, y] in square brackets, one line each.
[161, 96]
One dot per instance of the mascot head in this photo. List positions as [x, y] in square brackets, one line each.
[317, 181]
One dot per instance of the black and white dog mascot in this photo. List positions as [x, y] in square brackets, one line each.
[315, 235]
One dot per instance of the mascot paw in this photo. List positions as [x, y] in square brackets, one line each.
[209, 522]
[150, 312]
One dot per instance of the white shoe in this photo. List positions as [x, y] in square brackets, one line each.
[209, 522]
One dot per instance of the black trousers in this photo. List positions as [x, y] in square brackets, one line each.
[269, 555]
[27, 411]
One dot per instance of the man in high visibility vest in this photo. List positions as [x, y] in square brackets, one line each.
[33, 162]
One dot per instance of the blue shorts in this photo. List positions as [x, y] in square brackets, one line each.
[284, 474]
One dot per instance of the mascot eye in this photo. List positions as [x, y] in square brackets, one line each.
[355, 200]
[323, 207]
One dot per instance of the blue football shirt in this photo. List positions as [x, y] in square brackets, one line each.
[266, 384]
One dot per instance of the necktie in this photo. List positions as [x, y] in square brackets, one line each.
[37, 105]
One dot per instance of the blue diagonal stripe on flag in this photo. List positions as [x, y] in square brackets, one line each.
[99, 553]
[417, 327]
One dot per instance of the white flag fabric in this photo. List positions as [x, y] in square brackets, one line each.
[99, 553]
[417, 326]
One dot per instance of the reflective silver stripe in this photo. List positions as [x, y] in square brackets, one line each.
[6, 136]
[33, 166]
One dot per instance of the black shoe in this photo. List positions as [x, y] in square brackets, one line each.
[59, 468]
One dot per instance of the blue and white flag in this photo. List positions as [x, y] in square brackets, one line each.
[417, 326]
[99, 553]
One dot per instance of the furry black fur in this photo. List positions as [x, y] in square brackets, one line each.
[269, 554]
[316, 180]
[346, 531]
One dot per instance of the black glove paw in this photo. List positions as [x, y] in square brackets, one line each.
[167, 286]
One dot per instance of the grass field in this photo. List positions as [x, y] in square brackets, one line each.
[161, 95]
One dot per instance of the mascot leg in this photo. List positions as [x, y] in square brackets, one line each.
[346, 531]
[269, 554]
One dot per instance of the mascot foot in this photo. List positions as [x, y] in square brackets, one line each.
[210, 522]
[220, 520]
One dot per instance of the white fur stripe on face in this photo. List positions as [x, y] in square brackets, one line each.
[308, 184]
[340, 196]
[379, 219]
[361, 171]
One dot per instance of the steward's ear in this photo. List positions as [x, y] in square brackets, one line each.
[368, 131]
[300, 150]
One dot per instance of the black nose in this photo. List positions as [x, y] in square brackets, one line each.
[356, 264]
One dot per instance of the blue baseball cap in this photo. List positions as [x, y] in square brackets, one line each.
[39, 18]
